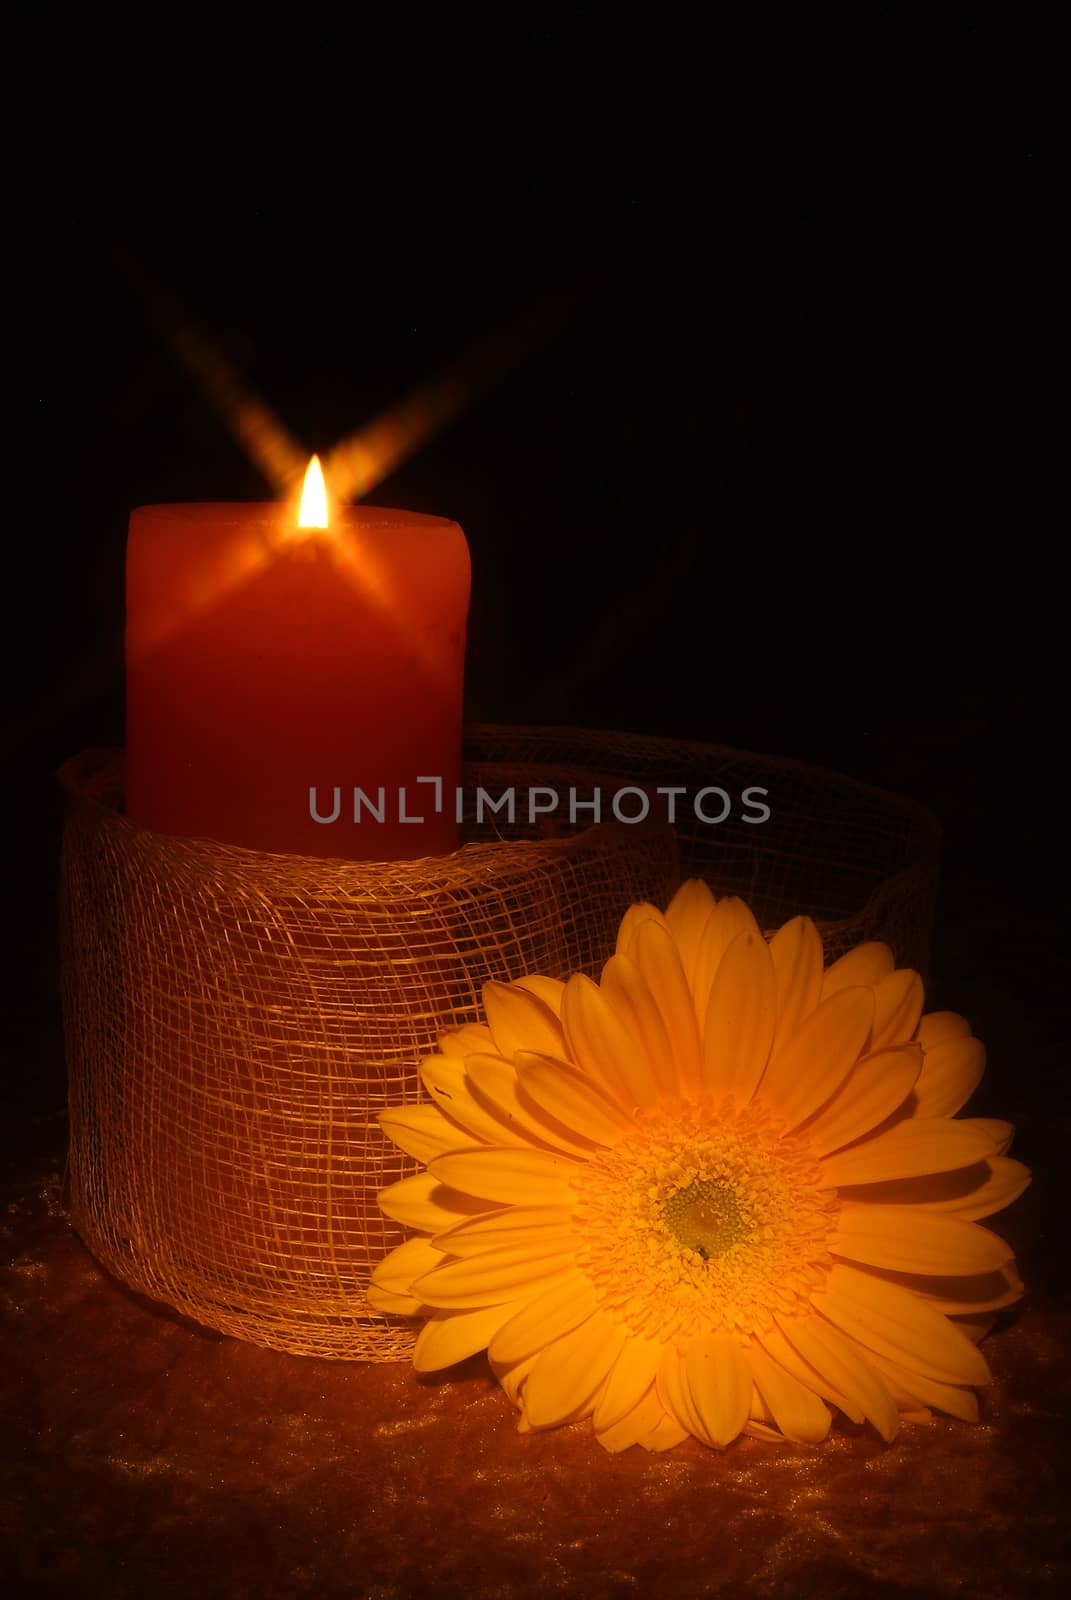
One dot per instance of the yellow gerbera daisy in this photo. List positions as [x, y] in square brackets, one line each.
[721, 1191]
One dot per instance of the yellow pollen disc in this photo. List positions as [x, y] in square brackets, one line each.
[706, 1219]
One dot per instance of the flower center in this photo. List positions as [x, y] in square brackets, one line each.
[706, 1216]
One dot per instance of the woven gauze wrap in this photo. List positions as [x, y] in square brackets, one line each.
[235, 1021]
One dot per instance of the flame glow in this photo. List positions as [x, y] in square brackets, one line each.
[313, 510]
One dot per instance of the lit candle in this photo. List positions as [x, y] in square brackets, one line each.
[294, 680]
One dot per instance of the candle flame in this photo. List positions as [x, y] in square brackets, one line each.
[313, 510]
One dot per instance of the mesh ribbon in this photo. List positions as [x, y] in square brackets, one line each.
[235, 1021]
[861, 861]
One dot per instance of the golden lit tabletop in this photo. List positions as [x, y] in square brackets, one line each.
[147, 1456]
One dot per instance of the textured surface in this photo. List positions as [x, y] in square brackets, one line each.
[148, 1456]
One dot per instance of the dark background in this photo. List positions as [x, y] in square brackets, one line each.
[785, 476]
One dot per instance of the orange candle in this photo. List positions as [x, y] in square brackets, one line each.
[294, 681]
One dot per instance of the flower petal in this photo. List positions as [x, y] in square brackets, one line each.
[665, 1436]
[903, 1240]
[445, 1079]
[452, 1336]
[937, 1025]
[495, 1230]
[866, 964]
[798, 1411]
[562, 1306]
[569, 1372]
[420, 1202]
[390, 1304]
[1004, 1182]
[909, 1150]
[631, 923]
[635, 1427]
[898, 1001]
[1001, 1133]
[875, 1087]
[671, 1383]
[760, 1411]
[549, 990]
[512, 1177]
[975, 1327]
[515, 1272]
[660, 967]
[602, 1046]
[842, 1364]
[686, 917]
[952, 1069]
[512, 1376]
[397, 1272]
[989, 1291]
[568, 1095]
[953, 1398]
[635, 1006]
[788, 1358]
[796, 952]
[632, 1377]
[740, 1019]
[719, 1379]
[970, 1192]
[898, 1325]
[813, 1064]
[519, 1020]
[423, 1132]
[729, 919]
[759, 1430]
[494, 1084]
[909, 1406]
[471, 1039]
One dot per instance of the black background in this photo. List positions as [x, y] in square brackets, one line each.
[785, 477]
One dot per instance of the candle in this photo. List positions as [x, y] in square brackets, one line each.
[294, 681]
